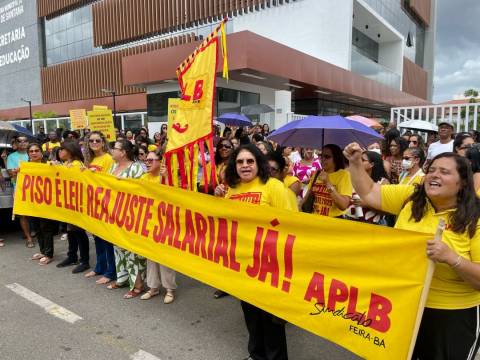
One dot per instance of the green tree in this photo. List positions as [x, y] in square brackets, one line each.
[472, 94]
[44, 115]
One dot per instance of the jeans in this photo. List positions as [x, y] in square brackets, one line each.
[105, 259]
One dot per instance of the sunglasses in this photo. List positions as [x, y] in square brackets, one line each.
[326, 157]
[247, 161]
[274, 169]
[151, 160]
[22, 141]
[413, 142]
[34, 151]
[222, 146]
[95, 141]
[465, 147]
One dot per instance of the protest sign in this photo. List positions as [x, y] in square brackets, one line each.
[102, 120]
[358, 285]
[78, 119]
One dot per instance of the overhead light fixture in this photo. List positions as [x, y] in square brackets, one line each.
[253, 76]
[293, 85]
[323, 92]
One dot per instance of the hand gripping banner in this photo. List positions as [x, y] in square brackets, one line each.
[361, 286]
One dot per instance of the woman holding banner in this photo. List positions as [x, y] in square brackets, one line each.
[158, 274]
[71, 156]
[248, 172]
[450, 322]
[130, 266]
[97, 158]
[46, 228]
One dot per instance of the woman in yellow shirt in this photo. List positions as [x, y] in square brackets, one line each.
[331, 188]
[97, 158]
[413, 159]
[450, 322]
[158, 274]
[248, 178]
[71, 156]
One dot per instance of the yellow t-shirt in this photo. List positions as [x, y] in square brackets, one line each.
[273, 193]
[323, 203]
[151, 178]
[50, 146]
[448, 290]
[77, 164]
[292, 199]
[407, 180]
[290, 180]
[102, 163]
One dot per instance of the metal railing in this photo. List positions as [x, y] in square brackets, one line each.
[463, 116]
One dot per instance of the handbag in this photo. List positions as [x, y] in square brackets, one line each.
[307, 205]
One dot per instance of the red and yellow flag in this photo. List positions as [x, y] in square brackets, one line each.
[192, 126]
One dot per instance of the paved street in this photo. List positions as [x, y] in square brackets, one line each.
[194, 327]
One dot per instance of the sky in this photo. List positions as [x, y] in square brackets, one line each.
[457, 52]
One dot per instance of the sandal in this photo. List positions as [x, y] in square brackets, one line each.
[132, 293]
[169, 297]
[149, 294]
[45, 260]
[29, 244]
[115, 285]
[2, 243]
[37, 256]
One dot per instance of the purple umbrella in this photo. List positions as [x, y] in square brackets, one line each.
[233, 119]
[317, 131]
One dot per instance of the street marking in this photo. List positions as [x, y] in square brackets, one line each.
[143, 355]
[49, 306]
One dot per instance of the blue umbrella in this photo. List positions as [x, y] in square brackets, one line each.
[317, 131]
[23, 131]
[233, 119]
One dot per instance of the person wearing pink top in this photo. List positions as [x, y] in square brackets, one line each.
[307, 166]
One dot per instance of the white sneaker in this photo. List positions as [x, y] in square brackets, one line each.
[64, 237]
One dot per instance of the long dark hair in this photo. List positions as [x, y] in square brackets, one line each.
[73, 148]
[231, 176]
[378, 170]
[473, 154]
[128, 147]
[459, 140]
[218, 158]
[337, 154]
[467, 213]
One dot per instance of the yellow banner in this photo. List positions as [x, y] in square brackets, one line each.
[78, 119]
[193, 120]
[359, 285]
[102, 120]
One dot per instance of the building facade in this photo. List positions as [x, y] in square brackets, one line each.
[303, 56]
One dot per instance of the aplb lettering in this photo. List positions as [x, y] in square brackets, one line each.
[337, 293]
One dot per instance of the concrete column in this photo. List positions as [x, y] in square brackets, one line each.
[283, 105]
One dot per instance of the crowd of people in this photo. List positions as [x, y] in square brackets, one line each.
[406, 181]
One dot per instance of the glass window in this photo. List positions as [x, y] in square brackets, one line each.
[133, 122]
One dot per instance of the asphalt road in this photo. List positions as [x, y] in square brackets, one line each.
[194, 327]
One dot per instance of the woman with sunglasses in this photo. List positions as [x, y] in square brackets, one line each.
[97, 158]
[71, 156]
[157, 274]
[463, 142]
[416, 141]
[130, 267]
[142, 152]
[413, 159]
[247, 172]
[47, 228]
[450, 322]
[331, 187]
[222, 153]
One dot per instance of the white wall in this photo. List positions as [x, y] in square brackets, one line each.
[390, 55]
[320, 28]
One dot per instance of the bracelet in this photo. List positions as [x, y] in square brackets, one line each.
[457, 263]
